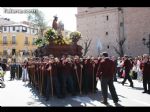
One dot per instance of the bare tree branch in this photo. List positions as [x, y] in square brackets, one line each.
[87, 44]
[120, 49]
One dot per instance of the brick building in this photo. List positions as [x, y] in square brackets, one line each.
[105, 25]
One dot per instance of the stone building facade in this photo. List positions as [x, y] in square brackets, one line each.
[106, 25]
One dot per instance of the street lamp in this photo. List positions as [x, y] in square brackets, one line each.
[147, 43]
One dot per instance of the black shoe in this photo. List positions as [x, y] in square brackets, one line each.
[115, 102]
[60, 97]
[73, 94]
[132, 86]
[47, 99]
[144, 92]
[104, 102]
[115, 80]
[122, 83]
[148, 92]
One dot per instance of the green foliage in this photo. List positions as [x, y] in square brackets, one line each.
[51, 36]
[75, 35]
[41, 42]
[67, 40]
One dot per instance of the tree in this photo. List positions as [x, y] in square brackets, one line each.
[86, 46]
[120, 46]
[121, 40]
[38, 20]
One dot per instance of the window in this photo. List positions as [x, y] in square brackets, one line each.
[119, 9]
[13, 39]
[107, 17]
[33, 41]
[106, 33]
[5, 40]
[17, 28]
[0, 28]
[5, 28]
[107, 46]
[26, 40]
[121, 24]
[13, 51]
[24, 29]
[5, 52]
[13, 28]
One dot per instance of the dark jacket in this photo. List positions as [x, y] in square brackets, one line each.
[146, 69]
[127, 65]
[106, 69]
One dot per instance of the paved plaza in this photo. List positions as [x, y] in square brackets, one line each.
[18, 93]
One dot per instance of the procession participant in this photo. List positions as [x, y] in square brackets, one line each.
[20, 71]
[67, 70]
[12, 70]
[40, 75]
[119, 67]
[115, 74]
[91, 66]
[25, 75]
[78, 75]
[93, 78]
[139, 71]
[55, 79]
[29, 69]
[32, 71]
[106, 72]
[145, 66]
[87, 75]
[95, 72]
[17, 70]
[44, 77]
[127, 66]
[49, 86]
[85, 78]
[37, 64]
[3, 66]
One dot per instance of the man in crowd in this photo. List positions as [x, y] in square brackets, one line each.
[128, 66]
[106, 73]
[145, 66]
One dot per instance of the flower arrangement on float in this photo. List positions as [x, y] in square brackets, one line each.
[51, 37]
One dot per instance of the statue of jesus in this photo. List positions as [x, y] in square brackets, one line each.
[54, 24]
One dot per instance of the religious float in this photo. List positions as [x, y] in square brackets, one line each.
[56, 43]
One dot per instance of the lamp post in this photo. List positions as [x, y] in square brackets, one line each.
[147, 43]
